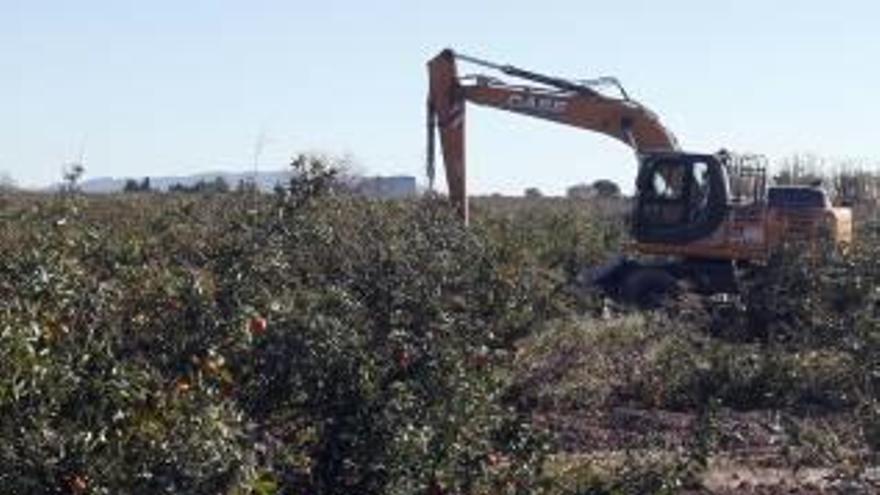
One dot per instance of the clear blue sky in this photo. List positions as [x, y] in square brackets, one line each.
[176, 87]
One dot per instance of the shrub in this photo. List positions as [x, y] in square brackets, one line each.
[90, 397]
[387, 325]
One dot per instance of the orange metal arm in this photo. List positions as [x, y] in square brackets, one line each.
[623, 120]
[446, 110]
[563, 101]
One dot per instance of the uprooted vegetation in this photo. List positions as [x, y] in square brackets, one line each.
[729, 395]
[314, 343]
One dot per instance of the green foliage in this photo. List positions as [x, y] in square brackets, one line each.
[89, 383]
[314, 344]
[632, 475]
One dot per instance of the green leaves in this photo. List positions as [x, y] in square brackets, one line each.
[130, 362]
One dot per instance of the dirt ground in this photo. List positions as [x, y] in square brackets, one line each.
[755, 452]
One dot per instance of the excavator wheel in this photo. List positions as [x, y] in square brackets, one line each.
[647, 286]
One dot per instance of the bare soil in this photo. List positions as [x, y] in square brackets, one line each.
[754, 452]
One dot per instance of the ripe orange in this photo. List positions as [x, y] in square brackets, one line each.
[77, 484]
[258, 325]
[182, 386]
[404, 358]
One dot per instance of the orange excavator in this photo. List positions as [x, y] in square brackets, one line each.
[697, 216]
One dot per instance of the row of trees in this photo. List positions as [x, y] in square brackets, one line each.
[131, 185]
[602, 188]
[306, 342]
[847, 181]
[217, 185]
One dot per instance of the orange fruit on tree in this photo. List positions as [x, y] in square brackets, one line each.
[77, 484]
[258, 325]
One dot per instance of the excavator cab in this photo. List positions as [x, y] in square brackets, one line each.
[680, 197]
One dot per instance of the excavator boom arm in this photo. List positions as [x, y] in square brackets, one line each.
[623, 120]
[561, 101]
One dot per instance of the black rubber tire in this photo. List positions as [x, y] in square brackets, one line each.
[648, 287]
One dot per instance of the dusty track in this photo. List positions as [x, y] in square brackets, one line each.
[753, 452]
